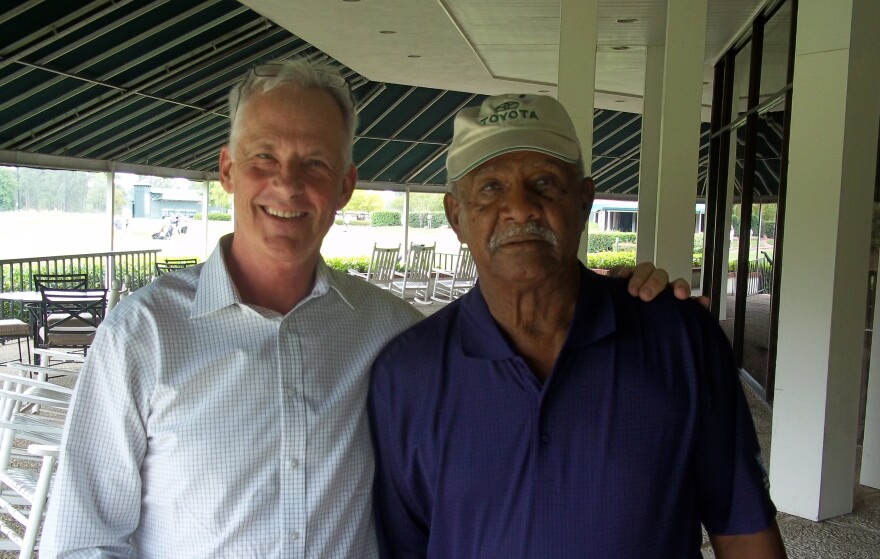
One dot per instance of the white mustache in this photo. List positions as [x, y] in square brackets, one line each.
[528, 230]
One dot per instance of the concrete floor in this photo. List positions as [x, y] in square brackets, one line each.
[852, 536]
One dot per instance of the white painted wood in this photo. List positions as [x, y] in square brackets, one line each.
[680, 135]
[834, 116]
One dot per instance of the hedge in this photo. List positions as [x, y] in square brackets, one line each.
[214, 216]
[421, 219]
[385, 219]
[343, 263]
[346, 263]
[353, 222]
[608, 260]
[600, 242]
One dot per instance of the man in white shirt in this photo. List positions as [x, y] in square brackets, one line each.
[221, 411]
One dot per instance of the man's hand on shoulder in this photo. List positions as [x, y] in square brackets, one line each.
[647, 281]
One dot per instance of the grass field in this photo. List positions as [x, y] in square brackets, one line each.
[30, 234]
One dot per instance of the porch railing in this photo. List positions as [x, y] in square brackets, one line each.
[444, 260]
[133, 268]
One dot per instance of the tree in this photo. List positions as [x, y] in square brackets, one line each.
[419, 202]
[8, 188]
[365, 201]
[217, 197]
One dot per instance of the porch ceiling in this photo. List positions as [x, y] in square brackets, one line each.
[144, 83]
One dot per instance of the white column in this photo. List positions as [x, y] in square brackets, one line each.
[577, 76]
[206, 198]
[834, 117]
[870, 475]
[649, 160]
[110, 271]
[680, 135]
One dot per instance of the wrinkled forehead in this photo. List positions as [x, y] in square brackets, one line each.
[523, 160]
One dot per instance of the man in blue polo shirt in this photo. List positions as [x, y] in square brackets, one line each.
[547, 413]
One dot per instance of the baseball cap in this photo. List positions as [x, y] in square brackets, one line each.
[510, 122]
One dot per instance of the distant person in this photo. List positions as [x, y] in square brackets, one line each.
[547, 413]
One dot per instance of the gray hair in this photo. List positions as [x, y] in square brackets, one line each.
[303, 74]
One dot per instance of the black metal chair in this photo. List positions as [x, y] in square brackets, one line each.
[60, 281]
[70, 317]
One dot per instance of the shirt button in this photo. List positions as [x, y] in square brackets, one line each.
[294, 535]
[545, 439]
[292, 463]
[291, 391]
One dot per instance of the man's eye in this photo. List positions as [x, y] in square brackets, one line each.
[546, 184]
[489, 187]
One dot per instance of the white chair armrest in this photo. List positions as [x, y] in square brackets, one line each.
[43, 449]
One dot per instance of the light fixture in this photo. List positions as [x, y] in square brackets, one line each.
[351, 0]
[387, 32]
[414, 56]
[621, 47]
[621, 20]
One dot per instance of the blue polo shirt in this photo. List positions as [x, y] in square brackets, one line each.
[640, 434]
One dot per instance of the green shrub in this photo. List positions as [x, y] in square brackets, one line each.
[352, 222]
[213, 216]
[385, 219]
[344, 263]
[420, 219]
[601, 242]
[698, 243]
[608, 260]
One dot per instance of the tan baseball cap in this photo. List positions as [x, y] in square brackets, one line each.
[511, 122]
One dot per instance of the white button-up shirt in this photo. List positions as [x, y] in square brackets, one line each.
[204, 427]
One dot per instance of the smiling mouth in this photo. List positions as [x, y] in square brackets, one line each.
[282, 214]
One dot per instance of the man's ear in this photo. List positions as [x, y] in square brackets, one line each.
[348, 183]
[226, 169]
[588, 193]
[451, 205]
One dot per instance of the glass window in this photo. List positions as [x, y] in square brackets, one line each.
[47, 212]
[166, 214]
[376, 217]
[774, 59]
[741, 80]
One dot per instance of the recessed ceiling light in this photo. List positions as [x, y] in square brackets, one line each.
[622, 47]
[621, 20]
[388, 32]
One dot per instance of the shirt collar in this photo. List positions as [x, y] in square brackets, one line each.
[216, 289]
[594, 319]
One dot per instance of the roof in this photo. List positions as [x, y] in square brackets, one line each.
[140, 86]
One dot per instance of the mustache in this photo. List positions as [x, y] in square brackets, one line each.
[527, 230]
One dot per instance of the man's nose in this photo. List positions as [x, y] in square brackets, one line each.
[290, 177]
[521, 204]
